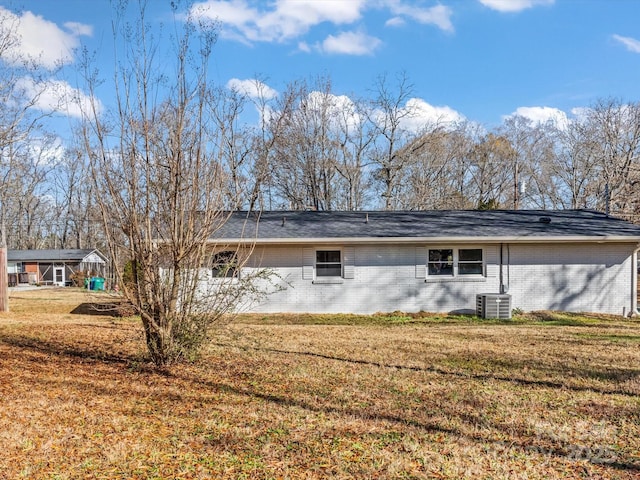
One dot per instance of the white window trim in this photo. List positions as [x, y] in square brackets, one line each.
[456, 276]
[217, 279]
[328, 281]
[331, 280]
[211, 278]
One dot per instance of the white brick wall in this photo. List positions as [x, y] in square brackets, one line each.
[560, 277]
[589, 278]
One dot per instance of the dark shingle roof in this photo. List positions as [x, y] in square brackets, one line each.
[520, 225]
[53, 255]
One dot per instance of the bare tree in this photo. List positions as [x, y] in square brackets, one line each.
[534, 151]
[306, 146]
[492, 160]
[78, 223]
[22, 138]
[261, 141]
[389, 112]
[355, 136]
[285, 146]
[575, 169]
[596, 162]
[234, 148]
[615, 128]
[164, 189]
[438, 178]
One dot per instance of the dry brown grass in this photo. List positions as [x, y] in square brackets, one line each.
[419, 400]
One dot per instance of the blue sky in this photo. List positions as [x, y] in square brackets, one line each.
[480, 60]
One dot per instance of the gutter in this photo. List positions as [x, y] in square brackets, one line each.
[634, 283]
[505, 284]
[423, 240]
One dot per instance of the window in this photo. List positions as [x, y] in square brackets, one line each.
[470, 261]
[441, 262]
[453, 262]
[224, 264]
[328, 263]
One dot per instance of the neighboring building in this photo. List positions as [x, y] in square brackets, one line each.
[53, 267]
[366, 262]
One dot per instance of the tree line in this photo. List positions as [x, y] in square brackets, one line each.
[311, 148]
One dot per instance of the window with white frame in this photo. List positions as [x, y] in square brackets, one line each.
[328, 263]
[453, 262]
[470, 261]
[224, 264]
[440, 261]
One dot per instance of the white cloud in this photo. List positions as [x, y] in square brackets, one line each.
[47, 151]
[79, 29]
[252, 88]
[542, 115]
[514, 5]
[41, 41]
[338, 112]
[421, 114]
[581, 113]
[257, 91]
[438, 15]
[632, 44]
[350, 43]
[57, 96]
[304, 47]
[340, 109]
[623, 112]
[395, 22]
[285, 20]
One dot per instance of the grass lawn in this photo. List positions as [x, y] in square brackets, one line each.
[543, 396]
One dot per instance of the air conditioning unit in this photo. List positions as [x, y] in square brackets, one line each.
[493, 305]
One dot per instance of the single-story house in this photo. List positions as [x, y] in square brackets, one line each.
[53, 267]
[438, 261]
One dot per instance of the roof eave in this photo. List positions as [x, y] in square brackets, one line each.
[433, 240]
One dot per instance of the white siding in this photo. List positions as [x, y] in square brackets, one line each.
[387, 278]
[92, 258]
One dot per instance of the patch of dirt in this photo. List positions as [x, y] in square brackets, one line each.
[108, 309]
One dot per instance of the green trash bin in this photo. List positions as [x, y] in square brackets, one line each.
[96, 283]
